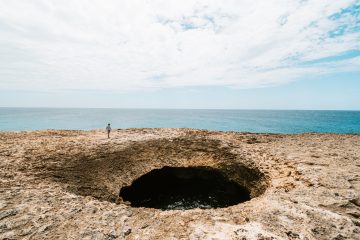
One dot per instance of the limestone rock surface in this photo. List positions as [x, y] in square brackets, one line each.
[58, 184]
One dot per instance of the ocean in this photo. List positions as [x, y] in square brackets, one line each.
[266, 121]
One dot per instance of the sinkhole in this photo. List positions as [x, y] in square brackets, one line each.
[184, 188]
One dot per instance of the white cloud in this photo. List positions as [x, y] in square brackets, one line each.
[117, 45]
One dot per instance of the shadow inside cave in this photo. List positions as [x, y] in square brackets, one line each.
[184, 188]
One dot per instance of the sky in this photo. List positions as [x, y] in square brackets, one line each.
[247, 54]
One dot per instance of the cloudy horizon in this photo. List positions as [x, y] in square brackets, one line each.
[132, 48]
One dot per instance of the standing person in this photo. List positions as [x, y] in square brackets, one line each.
[108, 129]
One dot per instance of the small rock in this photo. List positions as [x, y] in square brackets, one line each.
[129, 213]
[356, 201]
[42, 229]
[339, 237]
[292, 234]
[145, 226]
[7, 213]
[118, 201]
[110, 236]
[91, 209]
[127, 230]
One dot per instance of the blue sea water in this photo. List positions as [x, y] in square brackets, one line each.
[269, 121]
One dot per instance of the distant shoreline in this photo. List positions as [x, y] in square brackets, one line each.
[215, 109]
[100, 130]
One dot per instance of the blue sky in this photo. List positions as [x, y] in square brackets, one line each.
[279, 54]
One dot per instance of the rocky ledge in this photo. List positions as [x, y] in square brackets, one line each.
[66, 184]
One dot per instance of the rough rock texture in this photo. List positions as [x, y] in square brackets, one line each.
[65, 184]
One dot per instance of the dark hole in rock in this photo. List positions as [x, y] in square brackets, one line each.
[184, 188]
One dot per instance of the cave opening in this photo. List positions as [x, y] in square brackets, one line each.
[182, 188]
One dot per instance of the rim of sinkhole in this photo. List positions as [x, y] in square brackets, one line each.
[208, 173]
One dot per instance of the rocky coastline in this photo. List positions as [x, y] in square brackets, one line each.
[62, 184]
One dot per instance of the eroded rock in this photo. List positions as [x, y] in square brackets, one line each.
[66, 184]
